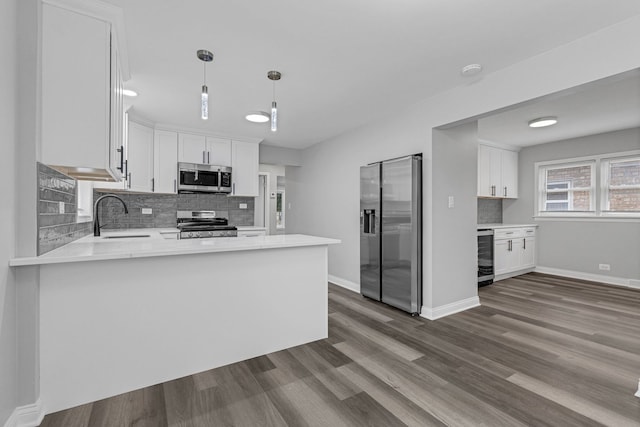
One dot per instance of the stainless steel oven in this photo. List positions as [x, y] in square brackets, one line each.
[199, 178]
[486, 272]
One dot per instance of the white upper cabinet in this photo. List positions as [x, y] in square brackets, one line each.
[218, 151]
[165, 161]
[244, 163]
[192, 148]
[140, 158]
[202, 149]
[497, 172]
[81, 95]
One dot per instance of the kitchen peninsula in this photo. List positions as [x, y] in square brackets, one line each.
[121, 313]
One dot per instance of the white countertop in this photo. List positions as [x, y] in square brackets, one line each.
[500, 225]
[106, 247]
[250, 228]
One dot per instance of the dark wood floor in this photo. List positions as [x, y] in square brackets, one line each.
[541, 350]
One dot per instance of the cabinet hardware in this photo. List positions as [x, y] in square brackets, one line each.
[208, 157]
[493, 190]
[524, 243]
[129, 180]
[233, 191]
[505, 191]
[153, 185]
[203, 157]
[121, 151]
[510, 248]
[175, 185]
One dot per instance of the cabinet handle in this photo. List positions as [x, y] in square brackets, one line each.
[233, 190]
[203, 157]
[510, 248]
[505, 191]
[175, 186]
[493, 190]
[153, 185]
[129, 180]
[208, 157]
[121, 151]
[524, 243]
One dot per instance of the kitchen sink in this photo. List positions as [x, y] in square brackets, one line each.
[126, 236]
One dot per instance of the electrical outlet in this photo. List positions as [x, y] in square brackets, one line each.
[243, 206]
[605, 267]
[61, 207]
[451, 202]
[147, 211]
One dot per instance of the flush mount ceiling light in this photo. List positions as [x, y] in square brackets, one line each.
[204, 56]
[471, 70]
[257, 117]
[129, 92]
[542, 122]
[273, 76]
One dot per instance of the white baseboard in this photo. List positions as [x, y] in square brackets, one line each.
[343, 283]
[611, 280]
[26, 416]
[448, 309]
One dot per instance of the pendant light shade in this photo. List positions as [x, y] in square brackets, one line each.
[205, 56]
[273, 76]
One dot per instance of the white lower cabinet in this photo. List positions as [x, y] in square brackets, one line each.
[514, 251]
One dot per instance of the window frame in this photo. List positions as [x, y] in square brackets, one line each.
[541, 171]
[599, 187]
[605, 186]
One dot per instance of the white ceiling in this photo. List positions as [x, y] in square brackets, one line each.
[343, 63]
[604, 106]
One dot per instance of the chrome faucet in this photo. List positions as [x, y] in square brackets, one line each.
[96, 220]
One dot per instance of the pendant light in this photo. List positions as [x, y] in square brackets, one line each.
[273, 76]
[204, 56]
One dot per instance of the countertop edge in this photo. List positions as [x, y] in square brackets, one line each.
[494, 226]
[168, 251]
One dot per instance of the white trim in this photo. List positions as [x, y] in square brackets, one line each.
[448, 309]
[196, 131]
[611, 280]
[344, 283]
[587, 218]
[499, 145]
[26, 416]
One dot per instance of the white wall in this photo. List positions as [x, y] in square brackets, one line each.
[329, 175]
[8, 136]
[279, 156]
[578, 246]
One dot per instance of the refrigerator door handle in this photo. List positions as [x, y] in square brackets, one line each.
[369, 223]
[372, 222]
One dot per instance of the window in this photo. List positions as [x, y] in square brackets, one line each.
[567, 188]
[621, 185]
[598, 186]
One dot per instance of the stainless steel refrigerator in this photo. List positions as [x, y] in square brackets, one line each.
[391, 232]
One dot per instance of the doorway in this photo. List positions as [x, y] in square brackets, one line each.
[261, 212]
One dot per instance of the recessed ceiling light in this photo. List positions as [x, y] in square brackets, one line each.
[542, 122]
[258, 117]
[471, 70]
[129, 92]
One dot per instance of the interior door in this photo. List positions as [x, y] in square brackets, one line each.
[370, 231]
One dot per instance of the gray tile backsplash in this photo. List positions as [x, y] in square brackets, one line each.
[489, 211]
[56, 229]
[165, 206]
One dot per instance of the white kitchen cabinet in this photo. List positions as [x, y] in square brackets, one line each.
[497, 172]
[204, 149]
[139, 166]
[81, 124]
[514, 251]
[244, 161]
[165, 161]
[192, 148]
[218, 151]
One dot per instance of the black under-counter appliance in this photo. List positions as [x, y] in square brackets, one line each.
[486, 272]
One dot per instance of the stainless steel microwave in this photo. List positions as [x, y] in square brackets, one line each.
[199, 178]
